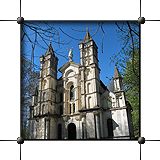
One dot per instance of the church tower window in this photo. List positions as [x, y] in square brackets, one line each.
[72, 93]
[61, 110]
[73, 108]
[89, 102]
[43, 111]
[44, 96]
[88, 87]
[70, 109]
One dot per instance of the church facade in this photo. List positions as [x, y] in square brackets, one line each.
[78, 105]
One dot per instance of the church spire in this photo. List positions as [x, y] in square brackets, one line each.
[50, 49]
[116, 72]
[118, 86]
[87, 36]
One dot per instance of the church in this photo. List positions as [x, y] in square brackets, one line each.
[78, 105]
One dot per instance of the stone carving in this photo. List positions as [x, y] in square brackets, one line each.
[70, 54]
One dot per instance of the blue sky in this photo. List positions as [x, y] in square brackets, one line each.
[110, 44]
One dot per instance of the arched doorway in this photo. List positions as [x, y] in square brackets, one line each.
[71, 131]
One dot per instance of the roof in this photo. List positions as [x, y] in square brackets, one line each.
[116, 73]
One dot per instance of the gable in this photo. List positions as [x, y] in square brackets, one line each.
[69, 69]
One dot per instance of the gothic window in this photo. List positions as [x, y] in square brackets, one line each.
[89, 102]
[70, 109]
[73, 108]
[88, 87]
[43, 109]
[72, 93]
[110, 127]
[44, 96]
[61, 110]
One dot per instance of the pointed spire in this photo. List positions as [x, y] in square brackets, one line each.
[50, 49]
[87, 36]
[116, 72]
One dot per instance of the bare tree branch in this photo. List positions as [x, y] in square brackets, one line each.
[130, 30]
[70, 36]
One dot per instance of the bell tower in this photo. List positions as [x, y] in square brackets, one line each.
[47, 92]
[90, 71]
[48, 81]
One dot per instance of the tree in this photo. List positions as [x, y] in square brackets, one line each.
[29, 79]
[128, 60]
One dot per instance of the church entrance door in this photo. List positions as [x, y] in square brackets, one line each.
[71, 131]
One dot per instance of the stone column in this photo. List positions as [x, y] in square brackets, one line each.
[96, 113]
[47, 128]
[84, 124]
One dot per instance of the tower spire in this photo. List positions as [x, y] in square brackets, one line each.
[116, 72]
[118, 86]
[50, 49]
[87, 36]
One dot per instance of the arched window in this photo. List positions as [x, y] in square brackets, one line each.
[73, 108]
[72, 93]
[61, 110]
[89, 102]
[110, 127]
[88, 87]
[44, 96]
[43, 109]
[70, 109]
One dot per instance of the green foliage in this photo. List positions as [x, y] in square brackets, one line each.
[128, 60]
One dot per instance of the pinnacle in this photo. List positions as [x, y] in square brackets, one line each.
[87, 36]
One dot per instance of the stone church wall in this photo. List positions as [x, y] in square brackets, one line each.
[90, 125]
